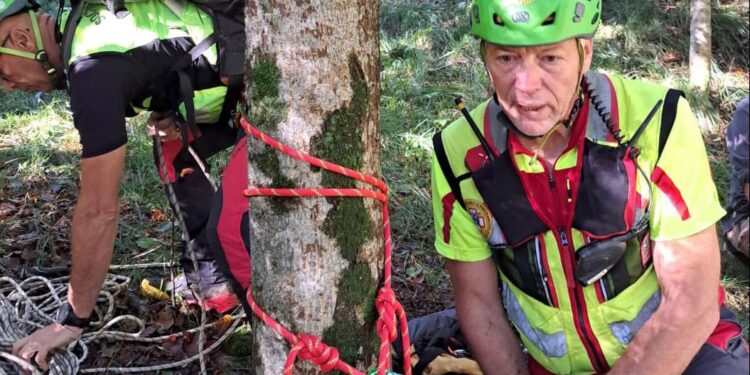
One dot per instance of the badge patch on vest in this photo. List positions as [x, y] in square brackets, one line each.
[481, 216]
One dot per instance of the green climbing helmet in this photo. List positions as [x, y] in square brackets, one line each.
[534, 22]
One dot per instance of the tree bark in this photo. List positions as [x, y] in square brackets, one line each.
[700, 43]
[312, 79]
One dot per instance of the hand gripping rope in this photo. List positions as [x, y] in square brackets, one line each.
[391, 313]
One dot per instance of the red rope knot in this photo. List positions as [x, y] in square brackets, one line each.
[310, 348]
[387, 306]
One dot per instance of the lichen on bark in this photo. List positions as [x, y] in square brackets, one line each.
[268, 163]
[353, 312]
[268, 110]
[340, 141]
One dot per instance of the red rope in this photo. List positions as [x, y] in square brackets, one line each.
[392, 314]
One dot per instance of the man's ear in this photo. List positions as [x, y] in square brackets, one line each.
[21, 39]
[588, 53]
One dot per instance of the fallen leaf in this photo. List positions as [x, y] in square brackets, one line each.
[222, 324]
[164, 319]
[47, 196]
[121, 302]
[175, 347]
[158, 215]
[180, 322]
[28, 254]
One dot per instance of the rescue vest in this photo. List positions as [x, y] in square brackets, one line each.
[536, 216]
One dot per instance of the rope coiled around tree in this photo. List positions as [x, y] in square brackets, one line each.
[391, 314]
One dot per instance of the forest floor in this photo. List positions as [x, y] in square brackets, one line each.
[428, 58]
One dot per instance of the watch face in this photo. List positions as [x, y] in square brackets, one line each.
[63, 312]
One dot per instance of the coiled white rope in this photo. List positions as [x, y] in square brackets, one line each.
[31, 304]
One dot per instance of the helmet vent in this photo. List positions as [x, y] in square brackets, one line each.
[550, 19]
[498, 20]
[595, 18]
[580, 9]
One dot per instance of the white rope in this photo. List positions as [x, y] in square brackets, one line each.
[24, 307]
[31, 303]
[117, 267]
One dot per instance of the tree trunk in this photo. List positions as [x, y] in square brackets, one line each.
[312, 78]
[700, 43]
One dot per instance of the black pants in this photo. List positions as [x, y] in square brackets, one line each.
[724, 354]
[194, 194]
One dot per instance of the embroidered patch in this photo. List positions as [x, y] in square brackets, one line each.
[476, 158]
[481, 216]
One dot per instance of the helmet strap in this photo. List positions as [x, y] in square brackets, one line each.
[41, 54]
[578, 95]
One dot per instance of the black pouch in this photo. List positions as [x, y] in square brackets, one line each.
[605, 204]
[501, 189]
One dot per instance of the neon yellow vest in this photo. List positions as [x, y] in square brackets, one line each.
[560, 338]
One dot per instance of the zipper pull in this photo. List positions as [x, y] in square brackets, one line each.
[563, 237]
[567, 185]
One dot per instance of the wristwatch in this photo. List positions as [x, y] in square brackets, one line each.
[67, 317]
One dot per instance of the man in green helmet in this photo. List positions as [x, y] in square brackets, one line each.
[588, 199]
[117, 65]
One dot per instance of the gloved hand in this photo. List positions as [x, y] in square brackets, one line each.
[45, 340]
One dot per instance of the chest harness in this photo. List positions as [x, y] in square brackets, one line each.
[605, 200]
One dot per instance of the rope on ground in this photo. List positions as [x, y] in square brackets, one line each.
[31, 303]
[392, 315]
[141, 266]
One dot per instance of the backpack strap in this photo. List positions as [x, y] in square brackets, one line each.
[668, 115]
[74, 18]
[182, 66]
[445, 166]
[229, 22]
